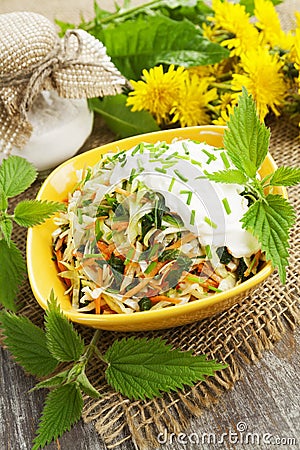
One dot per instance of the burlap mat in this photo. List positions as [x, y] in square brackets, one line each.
[236, 337]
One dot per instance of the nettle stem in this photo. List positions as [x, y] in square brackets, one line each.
[128, 12]
[118, 15]
[92, 348]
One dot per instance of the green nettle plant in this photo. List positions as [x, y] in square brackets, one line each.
[17, 175]
[138, 368]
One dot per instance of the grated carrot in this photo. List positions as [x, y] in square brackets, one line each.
[97, 305]
[189, 237]
[164, 298]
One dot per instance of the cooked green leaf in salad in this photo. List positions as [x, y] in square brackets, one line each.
[146, 229]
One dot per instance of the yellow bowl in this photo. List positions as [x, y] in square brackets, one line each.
[43, 273]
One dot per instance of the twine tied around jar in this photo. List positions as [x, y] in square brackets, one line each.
[33, 58]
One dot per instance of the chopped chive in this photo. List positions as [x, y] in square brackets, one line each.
[192, 219]
[121, 157]
[168, 164]
[141, 168]
[182, 177]
[129, 256]
[208, 251]
[153, 250]
[195, 279]
[123, 162]
[187, 158]
[171, 156]
[185, 147]
[159, 169]
[189, 196]
[210, 222]
[226, 205]
[136, 149]
[109, 236]
[98, 231]
[197, 163]
[79, 215]
[225, 160]
[160, 150]
[211, 157]
[252, 264]
[212, 288]
[151, 266]
[132, 175]
[88, 174]
[171, 184]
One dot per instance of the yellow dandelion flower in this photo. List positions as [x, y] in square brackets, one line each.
[157, 91]
[191, 106]
[269, 24]
[234, 19]
[227, 99]
[224, 116]
[297, 55]
[263, 79]
[225, 107]
[204, 72]
[208, 32]
[297, 16]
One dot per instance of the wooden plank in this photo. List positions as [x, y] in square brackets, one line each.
[266, 400]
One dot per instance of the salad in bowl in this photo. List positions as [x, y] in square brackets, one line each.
[145, 229]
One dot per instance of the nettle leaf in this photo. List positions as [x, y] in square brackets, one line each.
[209, 53]
[6, 227]
[63, 341]
[141, 368]
[34, 212]
[120, 118]
[285, 176]
[16, 175]
[246, 140]
[12, 272]
[195, 10]
[86, 386]
[55, 381]
[27, 343]
[62, 409]
[135, 45]
[270, 221]
[230, 176]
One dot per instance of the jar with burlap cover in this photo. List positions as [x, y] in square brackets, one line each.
[33, 58]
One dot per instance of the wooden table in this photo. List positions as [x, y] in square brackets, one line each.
[266, 401]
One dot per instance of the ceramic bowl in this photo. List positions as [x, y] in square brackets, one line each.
[43, 273]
